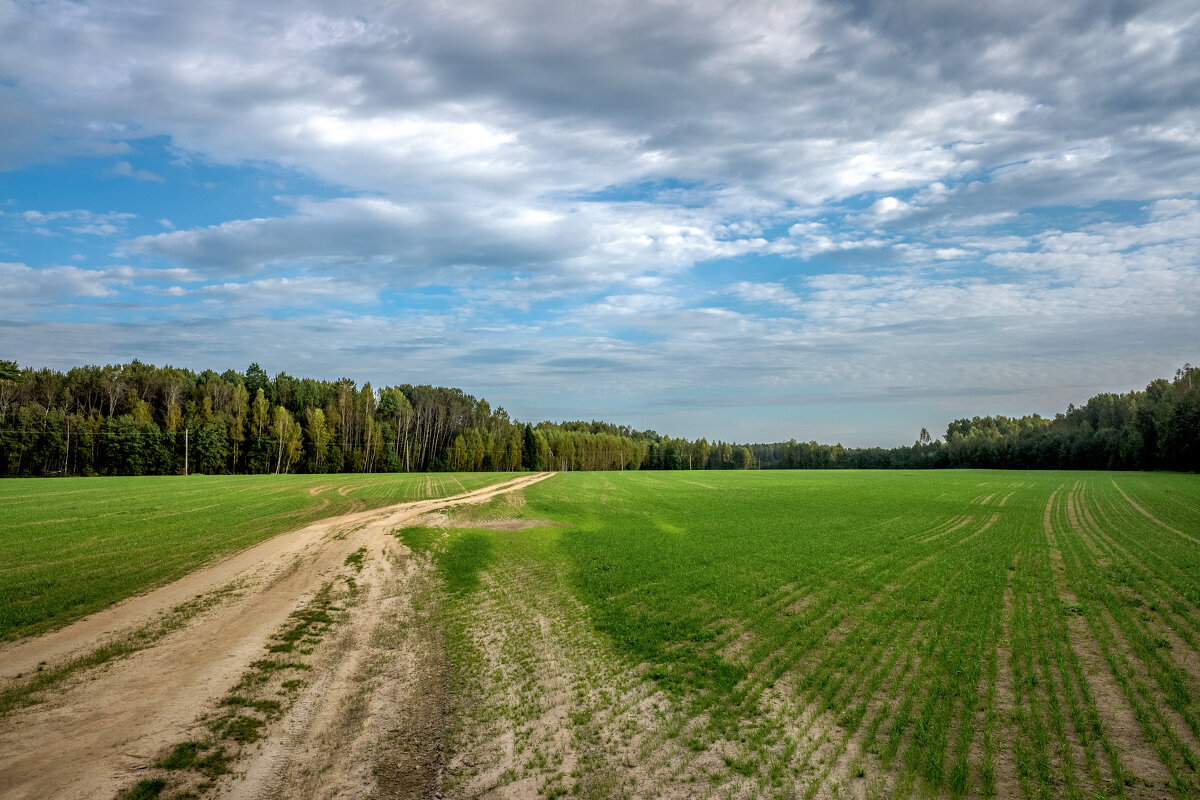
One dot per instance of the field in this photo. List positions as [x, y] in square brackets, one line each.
[70, 547]
[732, 634]
[832, 634]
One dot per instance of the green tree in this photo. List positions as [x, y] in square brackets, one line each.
[260, 416]
[211, 448]
[531, 456]
[288, 439]
[394, 406]
[257, 378]
[318, 438]
[459, 455]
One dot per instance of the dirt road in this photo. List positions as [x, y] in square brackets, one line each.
[102, 728]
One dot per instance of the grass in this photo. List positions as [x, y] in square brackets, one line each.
[73, 546]
[145, 790]
[459, 558]
[965, 633]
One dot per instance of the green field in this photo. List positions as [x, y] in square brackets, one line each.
[736, 634]
[840, 633]
[75, 545]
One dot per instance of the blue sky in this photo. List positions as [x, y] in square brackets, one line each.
[831, 221]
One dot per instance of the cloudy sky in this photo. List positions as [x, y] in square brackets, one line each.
[835, 221]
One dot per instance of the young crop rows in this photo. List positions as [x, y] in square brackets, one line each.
[808, 635]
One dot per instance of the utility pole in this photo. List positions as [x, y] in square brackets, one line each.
[185, 451]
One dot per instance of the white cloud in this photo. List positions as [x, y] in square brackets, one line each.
[123, 169]
[78, 221]
[629, 304]
[887, 208]
[22, 285]
[771, 293]
[300, 292]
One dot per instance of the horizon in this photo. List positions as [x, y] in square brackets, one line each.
[822, 222]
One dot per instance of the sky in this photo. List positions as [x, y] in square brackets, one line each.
[750, 221]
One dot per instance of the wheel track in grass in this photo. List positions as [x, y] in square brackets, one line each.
[1087, 544]
[1161, 617]
[1157, 729]
[1185, 589]
[1085, 718]
[1160, 663]
[1108, 627]
[1054, 683]
[853, 623]
[999, 715]
[885, 668]
[1152, 518]
[103, 726]
[858, 688]
[1114, 531]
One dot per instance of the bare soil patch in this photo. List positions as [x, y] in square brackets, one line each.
[455, 522]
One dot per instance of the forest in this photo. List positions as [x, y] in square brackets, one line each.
[139, 419]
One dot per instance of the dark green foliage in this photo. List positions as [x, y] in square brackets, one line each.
[465, 555]
[1155, 429]
[244, 730]
[211, 449]
[419, 539]
[355, 559]
[138, 419]
[268, 707]
[152, 787]
[184, 756]
[531, 456]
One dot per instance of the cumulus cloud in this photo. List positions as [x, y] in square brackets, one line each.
[22, 285]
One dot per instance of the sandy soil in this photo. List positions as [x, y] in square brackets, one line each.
[100, 730]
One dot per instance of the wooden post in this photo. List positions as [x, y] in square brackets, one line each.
[185, 451]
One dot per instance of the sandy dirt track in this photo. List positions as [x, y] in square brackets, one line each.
[103, 727]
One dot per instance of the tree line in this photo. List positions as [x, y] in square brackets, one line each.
[1155, 429]
[139, 419]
